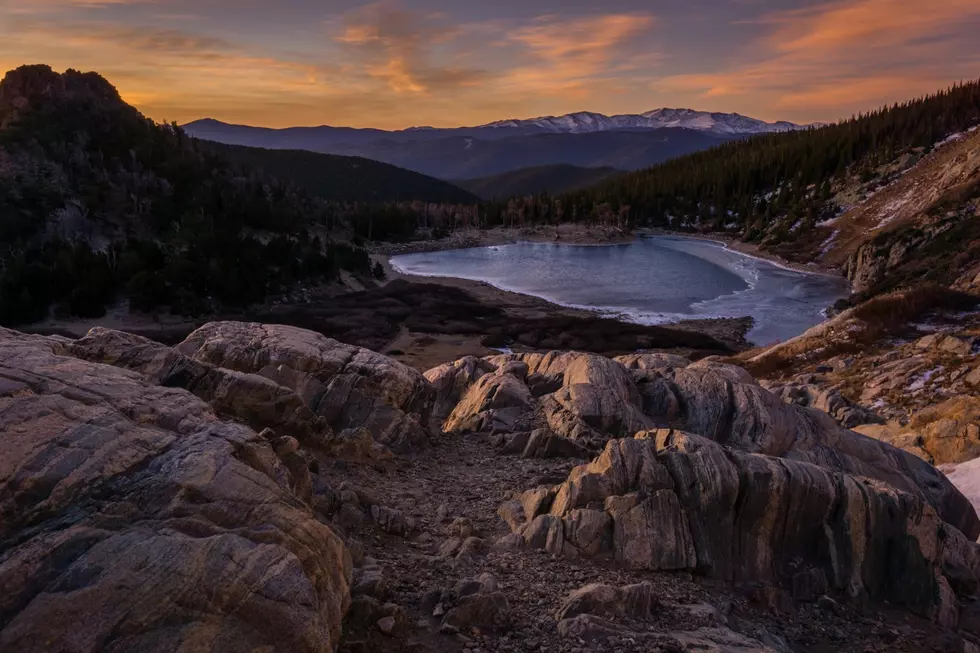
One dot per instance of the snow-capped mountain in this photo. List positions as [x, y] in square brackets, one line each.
[586, 122]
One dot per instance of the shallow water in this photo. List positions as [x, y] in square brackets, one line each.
[654, 280]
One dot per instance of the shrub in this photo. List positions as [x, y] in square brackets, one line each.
[892, 313]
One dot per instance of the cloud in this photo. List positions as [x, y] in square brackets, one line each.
[392, 64]
[168, 73]
[428, 63]
[868, 23]
[845, 56]
[399, 48]
[568, 55]
[44, 6]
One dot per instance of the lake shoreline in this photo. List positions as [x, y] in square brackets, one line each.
[748, 249]
[584, 235]
[494, 290]
[730, 330]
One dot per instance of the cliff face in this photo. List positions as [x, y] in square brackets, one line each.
[922, 226]
[28, 87]
[262, 486]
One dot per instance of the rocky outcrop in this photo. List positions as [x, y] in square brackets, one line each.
[943, 434]
[668, 500]
[133, 518]
[253, 399]
[583, 397]
[590, 399]
[349, 387]
[916, 392]
[452, 380]
[498, 401]
[845, 412]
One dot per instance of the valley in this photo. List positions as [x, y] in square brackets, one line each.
[284, 400]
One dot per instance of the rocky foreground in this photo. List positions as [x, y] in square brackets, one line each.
[265, 488]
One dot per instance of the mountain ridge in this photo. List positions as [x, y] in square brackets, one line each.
[575, 122]
[477, 152]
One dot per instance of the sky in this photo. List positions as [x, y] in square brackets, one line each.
[399, 63]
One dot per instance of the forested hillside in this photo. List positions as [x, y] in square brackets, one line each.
[345, 178]
[98, 202]
[781, 185]
[553, 180]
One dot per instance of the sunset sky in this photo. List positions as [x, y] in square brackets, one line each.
[394, 64]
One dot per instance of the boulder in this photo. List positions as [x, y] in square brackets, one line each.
[722, 404]
[498, 402]
[633, 602]
[679, 501]
[316, 383]
[479, 604]
[348, 386]
[132, 513]
[958, 345]
[452, 380]
[369, 580]
[652, 361]
[357, 445]
[256, 400]
[597, 398]
[544, 444]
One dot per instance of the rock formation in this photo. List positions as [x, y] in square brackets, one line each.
[668, 500]
[589, 399]
[239, 491]
[280, 376]
[134, 518]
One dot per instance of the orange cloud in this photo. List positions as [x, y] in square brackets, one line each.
[397, 47]
[575, 58]
[868, 23]
[391, 66]
[845, 56]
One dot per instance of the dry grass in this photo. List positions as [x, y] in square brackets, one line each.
[871, 323]
[893, 313]
[963, 410]
[783, 364]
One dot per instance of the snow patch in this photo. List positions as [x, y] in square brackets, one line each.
[966, 478]
[919, 381]
[951, 138]
[827, 244]
[889, 211]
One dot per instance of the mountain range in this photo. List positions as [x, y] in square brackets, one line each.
[586, 122]
[590, 140]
